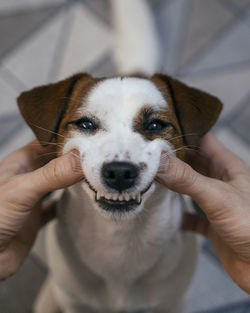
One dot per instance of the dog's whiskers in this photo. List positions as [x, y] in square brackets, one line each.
[187, 147]
[49, 131]
[164, 161]
[183, 136]
[46, 154]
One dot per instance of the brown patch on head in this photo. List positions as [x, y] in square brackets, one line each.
[193, 110]
[147, 117]
[46, 108]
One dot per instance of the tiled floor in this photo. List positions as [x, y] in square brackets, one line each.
[205, 43]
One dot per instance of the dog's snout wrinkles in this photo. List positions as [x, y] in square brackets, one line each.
[120, 175]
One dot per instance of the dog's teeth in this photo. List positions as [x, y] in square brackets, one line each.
[108, 196]
[127, 197]
[121, 197]
[98, 195]
[133, 196]
[115, 197]
[138, 197]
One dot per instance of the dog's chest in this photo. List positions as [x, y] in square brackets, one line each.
[118, 266]
[111, 248]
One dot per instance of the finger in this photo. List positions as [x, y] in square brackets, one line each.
[23, 192]
[180, 177]
[210, 194]
[25, 159]
[58, 173]
[196, 223]
[14, 249]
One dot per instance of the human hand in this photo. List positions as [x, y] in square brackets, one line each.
[219, 182]
[25, 178]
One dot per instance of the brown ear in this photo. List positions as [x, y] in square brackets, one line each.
[44, 107]
[196, 110]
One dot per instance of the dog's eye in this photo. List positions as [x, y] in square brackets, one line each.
[156, 125]
[86, 124]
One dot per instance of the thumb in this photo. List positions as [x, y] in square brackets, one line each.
[180, 177]
[59, 173]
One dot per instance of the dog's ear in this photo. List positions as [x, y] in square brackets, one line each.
[44, 107]
[196, 111]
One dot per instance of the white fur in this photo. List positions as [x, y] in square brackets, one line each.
[137, 45]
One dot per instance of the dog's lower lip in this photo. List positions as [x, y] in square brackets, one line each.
[118, 205]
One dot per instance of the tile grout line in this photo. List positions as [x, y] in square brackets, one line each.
[180, 34]
[213, 42]
[61, 44]
[29, 34]
[95, 13]
[11, 79]
[231, 7]
[21, 11]
[236, 111]
[241, 65]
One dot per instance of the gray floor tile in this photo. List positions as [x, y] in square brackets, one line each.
[159, 3]
[105, 67]
[240, 4]
[212, 288]
[205, 20]
[82, 50]
[10, 126]
[248, 16]
[230, 85]
[170, 21]
[234, 143]
[101, 8]
[241, 124]
[14, 28]
[239, 307]
[9, 94]
[32, 60]
[12, 143]
[7, 6]
[232, 48]
[18, 292]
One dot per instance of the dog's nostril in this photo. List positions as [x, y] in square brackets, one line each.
[120, 175]
[128, 175]
[110, 174]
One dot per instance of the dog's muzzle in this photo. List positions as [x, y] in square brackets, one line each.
[120, 180]
[119, 177]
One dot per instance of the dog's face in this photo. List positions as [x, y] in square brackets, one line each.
[120, 127]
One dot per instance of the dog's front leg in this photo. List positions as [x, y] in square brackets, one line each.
[46, 301]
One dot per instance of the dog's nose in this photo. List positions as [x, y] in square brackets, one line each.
[120, 175]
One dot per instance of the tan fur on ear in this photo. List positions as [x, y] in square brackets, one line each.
[196, 110]
[44, 107]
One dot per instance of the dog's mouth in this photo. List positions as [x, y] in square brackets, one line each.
[118, 202]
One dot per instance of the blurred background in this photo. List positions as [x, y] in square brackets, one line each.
[205, 43]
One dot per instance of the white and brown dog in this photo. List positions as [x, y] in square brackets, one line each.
[116, 245]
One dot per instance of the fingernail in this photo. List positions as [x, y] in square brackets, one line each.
[164, 163]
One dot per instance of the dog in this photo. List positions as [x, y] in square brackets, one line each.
[116, 245]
